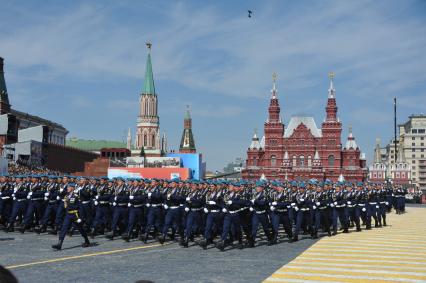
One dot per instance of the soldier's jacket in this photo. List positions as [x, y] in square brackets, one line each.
[155, 196]
[260, 201]
[121, 195]
[137, 196]
[214, 200]
[195, 199]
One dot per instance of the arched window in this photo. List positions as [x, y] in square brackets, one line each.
[309, 161]
[331, 160]
[294, 161]
[302, 161]
[145, 140]
[273, 161]
[153, 140]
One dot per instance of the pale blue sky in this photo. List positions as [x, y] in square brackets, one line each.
[82, 64]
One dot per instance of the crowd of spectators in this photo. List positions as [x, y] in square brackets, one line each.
[22, 168]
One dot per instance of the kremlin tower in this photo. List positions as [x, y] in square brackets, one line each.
[187, 143]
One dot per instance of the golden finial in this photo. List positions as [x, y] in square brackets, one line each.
[331, 75]
[274, 77]
[149, 44]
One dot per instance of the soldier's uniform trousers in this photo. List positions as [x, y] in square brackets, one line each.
[322, 217]
[72, 219]
[400, 203]
[340, 213]
[353, 214]
[262, 218]
[303, 216]
[135, 217]
[6, 205]
[278, 217]
[35, 207]
[246, 221]
[382, 212]
[119, 218]
[50, 213]
[193, 221]
[86, 213]
[213, 223]
[18, 210]
[102, 215]
[372, 211]
[60, 212]
[154, 218]
[173, 220]
[231, 224]
[389, 200]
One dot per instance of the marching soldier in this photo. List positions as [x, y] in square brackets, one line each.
[102, 219]
[172, 205]
[137, 201]
[260, 205]
[120, 203]
[279, 207]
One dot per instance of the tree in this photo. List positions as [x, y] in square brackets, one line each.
[142, 153]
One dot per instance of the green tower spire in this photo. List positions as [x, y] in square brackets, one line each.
[148, 87]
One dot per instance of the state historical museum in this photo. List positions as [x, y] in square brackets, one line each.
[302, 151]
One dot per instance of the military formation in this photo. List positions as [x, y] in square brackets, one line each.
[218, 213]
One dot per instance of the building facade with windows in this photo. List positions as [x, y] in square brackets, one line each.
[302, 150]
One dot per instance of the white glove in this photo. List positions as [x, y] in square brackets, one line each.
[188, 199]
[252, 201]
[114, 203]
[45, 198]
[131, 197]
[302, 199]
[331, 205]
[30, 193]
[28, 196]
[293, 204]
[272, 208]
[274, 203]
[14, 198]
[363, 209]
[61, 190]
[0, 193]
[296, 208]
[224, 210]
[97, 197]
[115, 198]
[229, 202]
[46, 194]
[387, 203]
[96, 203]
[335, 203]
[206, 210]
[212, 202]
[149, 195]
[377, 206]
[314, 207]
[186, 209]
[349, 202]
[129, 204]
[79, 220]
[166, 206]
[58, 198]
[148, 205]
[13, 195]
[318, 203]
[251, 209]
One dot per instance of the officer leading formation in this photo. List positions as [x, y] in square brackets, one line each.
[218, 213]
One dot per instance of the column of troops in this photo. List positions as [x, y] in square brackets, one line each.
[218, 213]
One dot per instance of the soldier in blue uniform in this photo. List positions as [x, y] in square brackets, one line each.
[400, 193]
[20, 192]
[154, 204]
[260, 205]
[120, 203]
[72, 218]
[102, 201]
[213, 209]
[321, 211]
[137, 202]
[193, 207]
[352, 206]
[50, 197]
[302, 209]
[339, 208]
[35, 204]
[173, 210]
[86, 194]
[6, 199]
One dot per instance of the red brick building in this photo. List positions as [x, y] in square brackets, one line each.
[302, 150]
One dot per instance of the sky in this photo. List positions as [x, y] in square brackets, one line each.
[82, 64]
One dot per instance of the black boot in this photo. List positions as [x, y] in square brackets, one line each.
[10, 228]
[126, 237]
[93, 233]
[162, 239]
[185, 242]
[58, 246]
[384, 222]
[145, 238]
[86, 243]
[111, 235]
[221, 245]
[240, 245]
[295, 238]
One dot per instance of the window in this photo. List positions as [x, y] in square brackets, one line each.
[413, 161]
[273, 161]
[402, 175]
[413, 167]
[380, 175]
[414, 131]
[422, 138]
[331, 160]
[153, 141]
[374, 175]
[421, 131]
[413, 144]
[413, 138]
[413, 155]
[422, 156]
[422, 144]
[397, 174]
[294, 161]
[309, 161]
[254, 162]
[392, 151]
[413, 150]
[145, 140]
[422, 150]
[414, 173]
[302, 161]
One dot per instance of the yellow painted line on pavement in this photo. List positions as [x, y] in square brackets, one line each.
[366, 251]
[323, 278]
[82, 256]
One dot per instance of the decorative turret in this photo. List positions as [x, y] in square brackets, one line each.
[350, 143]
[129, 140]
[274, 107]
[317, 160]
[331, 108]
[164, 146]
[377, 155]
[255, 144]
[401, 154]
[187, 143]
[4, 98]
